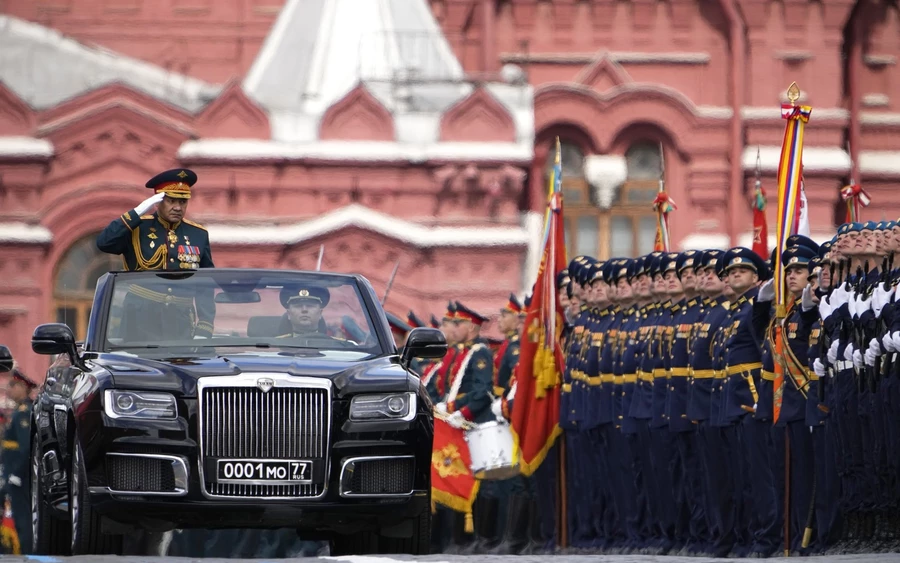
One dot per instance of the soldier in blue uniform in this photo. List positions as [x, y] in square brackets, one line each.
[793, 361]
[163, 240]
[469, 399]
[744, 366]
[690, 494]
[662, 449]
[704, 359]
[16, 453]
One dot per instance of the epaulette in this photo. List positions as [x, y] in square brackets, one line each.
[146, 216]
[191, 223]
[23, 408]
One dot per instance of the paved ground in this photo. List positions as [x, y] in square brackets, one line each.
[871, 558]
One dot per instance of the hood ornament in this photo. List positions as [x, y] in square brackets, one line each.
[265, 384]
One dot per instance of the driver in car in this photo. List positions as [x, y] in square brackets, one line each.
[305, 305]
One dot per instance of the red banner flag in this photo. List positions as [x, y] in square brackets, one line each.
[535, 413]
[452, 482]
[9, 537]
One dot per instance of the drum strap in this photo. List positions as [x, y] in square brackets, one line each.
[457, 381]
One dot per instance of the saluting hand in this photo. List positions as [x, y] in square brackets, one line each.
[143, 206]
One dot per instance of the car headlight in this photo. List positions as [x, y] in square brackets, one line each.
[139, 404]
[394, 406]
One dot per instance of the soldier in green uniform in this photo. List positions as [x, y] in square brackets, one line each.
[16, 452]
[163, 240]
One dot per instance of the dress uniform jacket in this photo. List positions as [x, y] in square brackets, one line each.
[476, 370]
[702, 360]
[743, 360]
[642, 403]
[15, 457]
[680, 366]
[660, 349]
[149, 242]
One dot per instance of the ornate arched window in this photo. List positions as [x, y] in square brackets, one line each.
[624, 224]
[76, 278]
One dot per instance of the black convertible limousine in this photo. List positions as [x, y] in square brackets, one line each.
[298, 411]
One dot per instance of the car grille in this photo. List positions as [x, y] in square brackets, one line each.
[139, 474]
[389, 476]
[247, 423]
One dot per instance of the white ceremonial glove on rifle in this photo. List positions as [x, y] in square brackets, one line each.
[888, 343]
[895, 340]
[880, 298]
[819, 368]
[839, 296]
[15, 480]
[857, 360]
[832, 352]
[441, 408]
[869, 357]
[825, 307]
[149, 202]
[875, 347]
[456, 420]
[766, 291]
[497, 408]
[848, 352]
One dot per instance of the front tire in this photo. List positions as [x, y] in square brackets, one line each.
[49, 535]
[87, 539]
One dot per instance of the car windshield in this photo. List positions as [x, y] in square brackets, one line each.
[212, 310]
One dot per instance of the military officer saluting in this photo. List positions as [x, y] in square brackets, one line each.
[163, 240]
[16, 448]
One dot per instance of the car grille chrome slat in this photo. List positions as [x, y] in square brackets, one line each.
[238, 420]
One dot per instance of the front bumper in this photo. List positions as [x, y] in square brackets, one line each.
[147, 473]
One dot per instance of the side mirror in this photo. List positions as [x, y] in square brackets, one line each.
[55, 338]
[423, 343]
[6, 359]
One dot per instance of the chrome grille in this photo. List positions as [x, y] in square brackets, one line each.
[289, 421]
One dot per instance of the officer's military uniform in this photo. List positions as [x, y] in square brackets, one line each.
[149, 242]
[15, 460]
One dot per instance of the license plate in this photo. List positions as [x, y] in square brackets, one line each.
[264, 471]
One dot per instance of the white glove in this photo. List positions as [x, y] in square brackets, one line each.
[888, 343]
[831, 355]
[766, 291]
[875, 347]
[441, 408]
[857, 359]
[869, 357]
[497, 408]
[819, 368]
[839, 296]
[806, 300]
[149, 202]
[15, 480]
[895, 340]
[825, 307]
[880, 298]
[848, 352]
[456, 420]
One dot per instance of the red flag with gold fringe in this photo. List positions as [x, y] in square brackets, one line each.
[9, 537]
[452, 482]
[535, 413]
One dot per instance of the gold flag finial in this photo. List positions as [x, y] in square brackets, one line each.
[793, 93]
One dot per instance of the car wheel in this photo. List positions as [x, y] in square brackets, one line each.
[419, 543]
[49, 535]
[87, 539]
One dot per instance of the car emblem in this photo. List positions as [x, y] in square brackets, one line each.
[265, 384]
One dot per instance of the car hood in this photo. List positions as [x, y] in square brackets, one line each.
[180, 376]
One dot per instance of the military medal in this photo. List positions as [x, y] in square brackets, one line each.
[173, 238]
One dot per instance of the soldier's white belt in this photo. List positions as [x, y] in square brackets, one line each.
[843, 364]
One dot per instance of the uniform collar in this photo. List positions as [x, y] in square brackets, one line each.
[165, 223]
